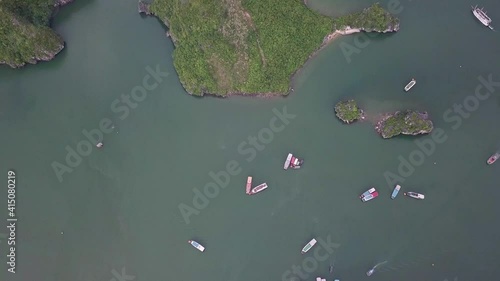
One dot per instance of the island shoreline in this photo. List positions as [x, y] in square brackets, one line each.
[144, 8]
[48, 56]
[326, 41]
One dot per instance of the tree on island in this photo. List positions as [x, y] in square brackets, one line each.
[229, 47]
[25, 35]
[348, 111]
[406, 122]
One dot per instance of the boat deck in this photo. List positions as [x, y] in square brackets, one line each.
[249, 185]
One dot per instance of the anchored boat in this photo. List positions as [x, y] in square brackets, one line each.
[196, 245]
[258, 188]
[292, 162]
[369, 195]
[481, 15]
[415, 195]
[308, 246]
[249, 185]
[410, 84]
[371, 190]
[395, 191]
[493, 158]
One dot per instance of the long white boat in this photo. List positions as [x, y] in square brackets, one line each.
[249, 185]
[287, 161]
[481, 15]
[258, 188]
[308, 246]
[410, 84]
[196, 245]
[415, 195]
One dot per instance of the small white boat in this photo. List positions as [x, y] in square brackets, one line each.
[196, 245]
[370, 272]
[308, 246]
[415, 195]
[99, 145]
[410, 84]
[258, 188]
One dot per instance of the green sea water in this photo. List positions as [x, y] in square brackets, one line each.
[116, 215]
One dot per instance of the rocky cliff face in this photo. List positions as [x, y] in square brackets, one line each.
[28, 43]
[144, 8]
[43, 55]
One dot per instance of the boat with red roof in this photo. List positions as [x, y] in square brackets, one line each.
[493, 158]
[369, 194]
[292, 162]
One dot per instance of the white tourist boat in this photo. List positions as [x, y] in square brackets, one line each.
[258, 188]
[196, 245]
[410, 84]
[481, 15]
[309, 246]
[415, 195]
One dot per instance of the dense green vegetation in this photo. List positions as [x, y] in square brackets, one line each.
[248, 46]
[404, 122]
[24, 32]
[374, 18]
[348, 111]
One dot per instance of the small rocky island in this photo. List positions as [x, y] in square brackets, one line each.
[406, 122]
[348, 111]
[25, 35]
[252, 47]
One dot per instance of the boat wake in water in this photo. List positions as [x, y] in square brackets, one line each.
[371, 271]
[405, 264]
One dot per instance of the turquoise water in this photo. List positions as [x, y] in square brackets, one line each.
[119, 208]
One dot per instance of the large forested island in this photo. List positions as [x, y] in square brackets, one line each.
[225, 47]
[25, 35]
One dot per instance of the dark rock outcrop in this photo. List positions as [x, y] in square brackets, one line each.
[144, 8]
